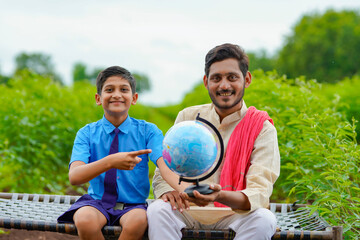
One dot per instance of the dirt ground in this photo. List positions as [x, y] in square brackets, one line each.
[16, 234]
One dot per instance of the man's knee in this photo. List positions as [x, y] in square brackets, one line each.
[157, 209]
[265, 219]
[260, 224]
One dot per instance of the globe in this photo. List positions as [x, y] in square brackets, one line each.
[190, 148]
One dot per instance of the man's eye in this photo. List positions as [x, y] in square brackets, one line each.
[215, 78]
[124, 89]
[232, 77]
[108, 90]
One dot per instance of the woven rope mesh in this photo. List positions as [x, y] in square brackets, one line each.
[48, 211]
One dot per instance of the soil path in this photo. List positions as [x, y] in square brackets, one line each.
[16, 234]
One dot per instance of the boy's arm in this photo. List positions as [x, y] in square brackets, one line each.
[81, 172]
[172, 179]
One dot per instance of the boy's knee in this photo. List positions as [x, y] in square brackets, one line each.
[135, 225]
[87, 221]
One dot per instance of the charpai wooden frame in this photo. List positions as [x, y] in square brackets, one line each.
[39, 212]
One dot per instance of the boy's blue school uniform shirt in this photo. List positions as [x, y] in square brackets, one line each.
[93, 142]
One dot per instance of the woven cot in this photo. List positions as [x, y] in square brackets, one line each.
[39, 212]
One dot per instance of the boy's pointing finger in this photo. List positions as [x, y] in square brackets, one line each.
[141, 152]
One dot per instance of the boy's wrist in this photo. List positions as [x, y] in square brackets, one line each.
[108, 163]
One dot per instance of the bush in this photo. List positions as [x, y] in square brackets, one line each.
[38, 125]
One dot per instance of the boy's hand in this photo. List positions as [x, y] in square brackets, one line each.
[176, 201]
[128, 160]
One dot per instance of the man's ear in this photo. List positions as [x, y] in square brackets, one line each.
[98, 99]
[205, 80]
[134, 98]
[247, 79]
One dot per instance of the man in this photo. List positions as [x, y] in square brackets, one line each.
[250, 168]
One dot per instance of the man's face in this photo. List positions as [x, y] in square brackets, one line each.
[226, 85]
[116, 96]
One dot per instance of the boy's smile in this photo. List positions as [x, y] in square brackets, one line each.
[116, 97]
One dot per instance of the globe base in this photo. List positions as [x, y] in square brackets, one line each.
[201, 188]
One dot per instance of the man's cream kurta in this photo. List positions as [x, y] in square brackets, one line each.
[265, 158]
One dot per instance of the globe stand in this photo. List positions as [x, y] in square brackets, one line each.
[200, 187]
[204, 188]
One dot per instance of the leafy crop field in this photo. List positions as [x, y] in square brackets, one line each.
[317, 128]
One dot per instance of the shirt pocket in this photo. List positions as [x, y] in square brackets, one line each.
[144, 162]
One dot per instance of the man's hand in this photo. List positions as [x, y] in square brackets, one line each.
[176, 201]
[128, 160]
[203, 200]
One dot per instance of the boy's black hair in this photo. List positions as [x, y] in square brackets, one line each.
[115, 71]
[225, 51]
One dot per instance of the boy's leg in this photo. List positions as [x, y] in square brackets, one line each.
[134, 224]
[89, 221]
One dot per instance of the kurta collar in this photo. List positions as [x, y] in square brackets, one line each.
[235, 116]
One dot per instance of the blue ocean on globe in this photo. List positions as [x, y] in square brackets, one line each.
[189, 148]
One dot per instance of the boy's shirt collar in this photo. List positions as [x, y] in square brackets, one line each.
[109, 128]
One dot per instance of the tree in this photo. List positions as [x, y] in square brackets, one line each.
[3, 79]
[325, 47]
[260, 59]
[38, 63]
[142, 82]
[79, 72]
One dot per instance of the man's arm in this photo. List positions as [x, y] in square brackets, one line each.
[235, 200]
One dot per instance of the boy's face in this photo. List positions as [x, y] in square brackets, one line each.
[116, 96]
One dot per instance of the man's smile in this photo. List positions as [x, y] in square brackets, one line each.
[225, 93]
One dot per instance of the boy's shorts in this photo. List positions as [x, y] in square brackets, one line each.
[112, 215]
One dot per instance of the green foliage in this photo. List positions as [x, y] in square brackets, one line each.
[324, 47]
[349, 102]
[319, 153]
[196, 97]
[260, 60]
[38, 63]
[38, 125]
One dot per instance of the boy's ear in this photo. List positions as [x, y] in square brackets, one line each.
[98, 99]
[134, 98]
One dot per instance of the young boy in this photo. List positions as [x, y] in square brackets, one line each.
[118, 174]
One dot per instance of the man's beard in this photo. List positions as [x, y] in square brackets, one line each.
[223, 106]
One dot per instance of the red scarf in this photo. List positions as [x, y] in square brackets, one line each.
[239, 149]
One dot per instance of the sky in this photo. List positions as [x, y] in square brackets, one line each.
[166, 40]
